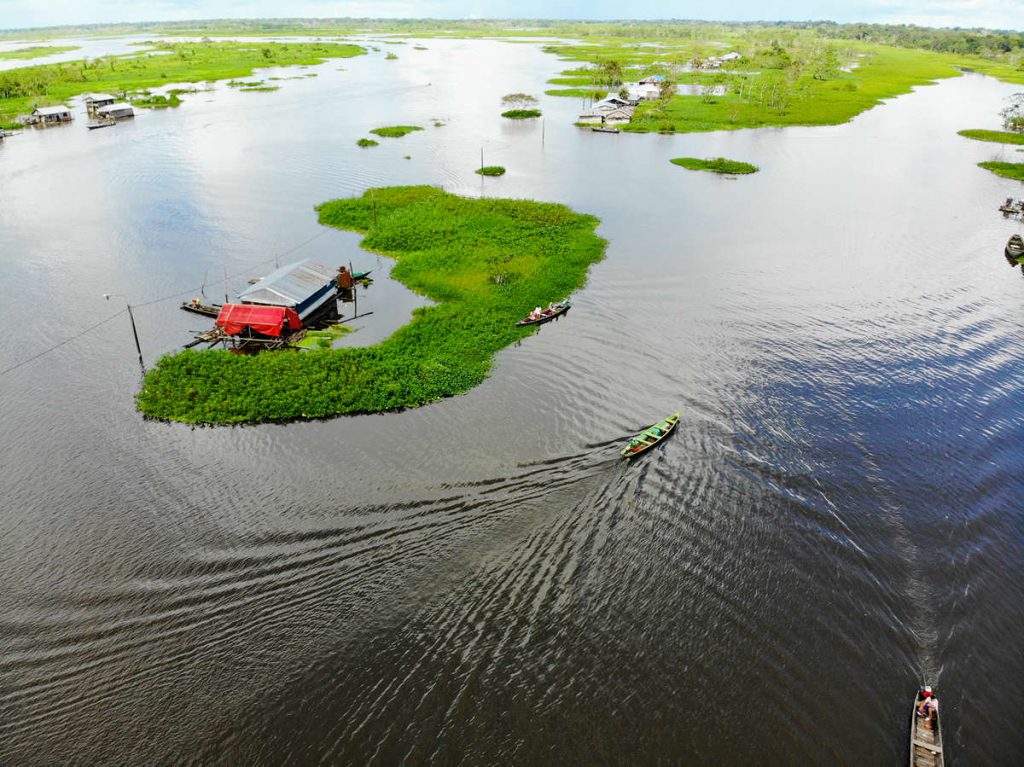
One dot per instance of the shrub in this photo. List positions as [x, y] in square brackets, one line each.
[491, 170]
[367, 142]
[521, 114]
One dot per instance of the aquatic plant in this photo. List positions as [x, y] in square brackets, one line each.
[716, 165]
[1014, 170]
[390, 57]
[367, 142]
[157, 102]
[521, 114]
[491, 170]
[260, 88]
[996, 136]
[395, 131]
[484, 262]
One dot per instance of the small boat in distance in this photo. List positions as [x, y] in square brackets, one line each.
[605, 130]
[925, 732]
[105, 124]
[545, 315]
[197, 307]
[650, 437]
[1014, 250]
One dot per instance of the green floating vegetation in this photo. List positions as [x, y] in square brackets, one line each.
[390, 57]
[491, 170]
[36, 51]
[367, 142]
[484, 262]
[177, 62]
[244, 84]
[149, 101]
[1014, 170]
[395, 131]
[521, 114]
[325, 338]
[260, 88]
[996, 136]
[716, 165]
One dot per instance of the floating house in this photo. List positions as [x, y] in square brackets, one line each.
[643, 91]
[306, 287]
[613, 109]
[250, 320]
[50, 115]
[117, 111]
[657, 80]
[94, 101]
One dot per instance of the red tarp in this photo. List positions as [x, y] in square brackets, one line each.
[268, 320]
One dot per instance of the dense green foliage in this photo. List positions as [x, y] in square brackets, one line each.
[172, 99]
[11, 125]
[996, 136]
[158, 64]
[484, 262]
[716, 165]
[37, 51]
[521, 114]
[367, 142]
[395, 131]
[1014, 170]
[491, 170]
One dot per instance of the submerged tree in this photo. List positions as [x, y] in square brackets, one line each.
[518, 100]
[1013, 115]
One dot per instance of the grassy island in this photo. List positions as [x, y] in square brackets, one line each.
[491, 170]
[995, 136]
[716, 165]
[395, 131]
[157, 64]
[485, 263]
[1014, 170]
[37, 51]
[364, 142]
[521, 114]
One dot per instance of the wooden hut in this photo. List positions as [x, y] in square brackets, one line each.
[51, 115]
[117, 111]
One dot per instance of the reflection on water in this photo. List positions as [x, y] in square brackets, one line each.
[480, 580]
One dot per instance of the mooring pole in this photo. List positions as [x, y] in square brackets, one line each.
[373, 199]
[481, 158]
[226, 299]
[542, 131]
[135, 333]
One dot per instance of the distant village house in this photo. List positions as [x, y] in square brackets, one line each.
[50, 115]
[116, 111]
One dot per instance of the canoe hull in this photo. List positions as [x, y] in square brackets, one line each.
[925, 744]
[545, 317]
[668, 428]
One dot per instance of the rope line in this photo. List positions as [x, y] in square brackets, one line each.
[56, 346]
[91, 328]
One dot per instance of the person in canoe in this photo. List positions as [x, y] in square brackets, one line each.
[928, 708]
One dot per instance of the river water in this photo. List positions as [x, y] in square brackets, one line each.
[480, 581]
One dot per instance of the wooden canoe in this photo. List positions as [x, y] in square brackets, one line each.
[547, 315]
[925, 742]
[651, 436]
[1014, 249]
[204, 309]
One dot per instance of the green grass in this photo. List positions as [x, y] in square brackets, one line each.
[11, 125]
[37, 51]
[491, 170]
[996, 136]
[484, 262]
[325, 338]
[395, 131]
[367, 142]
[1014, 170]
[716, 165]
[149, 101]
[521, 114]
[193, 62]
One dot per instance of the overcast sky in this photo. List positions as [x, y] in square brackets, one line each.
[997, 14]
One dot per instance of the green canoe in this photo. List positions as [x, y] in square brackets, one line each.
[650, 437]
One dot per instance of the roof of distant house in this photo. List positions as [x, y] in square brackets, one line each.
[44, 111]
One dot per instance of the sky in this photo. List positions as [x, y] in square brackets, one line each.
[993, 14]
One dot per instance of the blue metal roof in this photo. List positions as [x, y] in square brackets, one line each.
[303, 286]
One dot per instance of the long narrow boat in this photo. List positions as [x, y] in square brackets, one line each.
[925, 734]
[557, 310]
[650, 437]
[198, 308]
[1014, 249]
